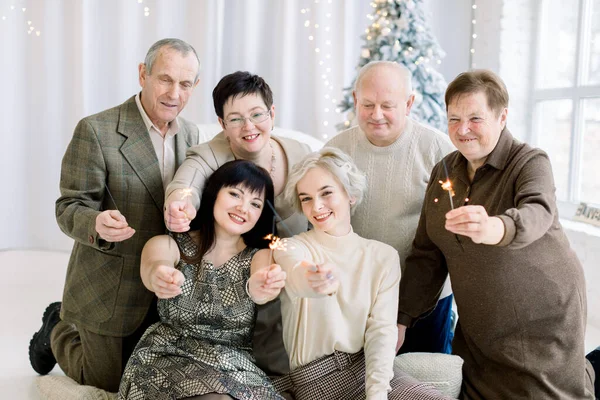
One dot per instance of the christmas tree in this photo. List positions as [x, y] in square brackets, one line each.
[399, 33]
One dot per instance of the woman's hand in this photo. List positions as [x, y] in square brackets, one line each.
[474, 222]
[165, 281]
[178, 215]
[321, 277]
[266, 284]
[401, 336]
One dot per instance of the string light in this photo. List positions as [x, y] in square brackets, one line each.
[322, 53]
[379, 45]
[31, 28]
[473, 34]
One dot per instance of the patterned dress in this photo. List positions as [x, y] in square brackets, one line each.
[203, 342]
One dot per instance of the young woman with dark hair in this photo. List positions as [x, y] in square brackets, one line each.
[202, 346]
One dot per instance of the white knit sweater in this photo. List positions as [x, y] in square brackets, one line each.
[361, 315]
[397, 177]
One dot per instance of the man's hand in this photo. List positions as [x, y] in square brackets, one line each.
[266, 284]
[474, 222]
[165, 281]
[178, 215]
[321, 277]
[112, 226]
[401, 335]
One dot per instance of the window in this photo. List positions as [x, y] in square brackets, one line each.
[566, 96]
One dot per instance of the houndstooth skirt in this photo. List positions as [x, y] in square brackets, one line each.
[342, 376]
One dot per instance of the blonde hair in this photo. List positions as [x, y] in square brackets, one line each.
[336, 162]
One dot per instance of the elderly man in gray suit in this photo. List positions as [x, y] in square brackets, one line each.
[112, 184]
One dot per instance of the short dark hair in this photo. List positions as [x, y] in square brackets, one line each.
[240, 83]
[231, 174]
[479, 80]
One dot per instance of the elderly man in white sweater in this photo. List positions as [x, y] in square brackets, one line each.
[397, 154]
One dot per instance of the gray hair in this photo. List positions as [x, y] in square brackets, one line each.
[178, 45]
[339, 164]
[403, 73]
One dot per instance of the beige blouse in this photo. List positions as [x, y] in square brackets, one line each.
[204, 159]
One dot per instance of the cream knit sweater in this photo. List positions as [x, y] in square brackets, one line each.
[397, 176]
[361, 315]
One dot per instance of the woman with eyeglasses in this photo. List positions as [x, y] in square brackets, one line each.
[244, 104]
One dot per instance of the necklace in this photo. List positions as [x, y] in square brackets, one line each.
[272, 171]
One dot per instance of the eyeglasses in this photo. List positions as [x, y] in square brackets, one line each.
[255, 118]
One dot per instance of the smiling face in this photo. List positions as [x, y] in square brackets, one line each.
[473, 127]
[237, 209]
[167, 88]
[248, 140]
[382, 104]
[324, 202]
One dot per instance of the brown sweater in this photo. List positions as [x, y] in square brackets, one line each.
[521, 303]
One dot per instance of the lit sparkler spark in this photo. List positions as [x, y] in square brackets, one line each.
[277, 243]
[185, 193]
[448, 186]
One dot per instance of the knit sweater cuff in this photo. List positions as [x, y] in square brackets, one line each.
[510, 230]
[405, 319]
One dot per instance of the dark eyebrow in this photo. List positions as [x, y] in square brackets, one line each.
[252, 109]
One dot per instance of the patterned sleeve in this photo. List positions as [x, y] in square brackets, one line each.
[82, 187]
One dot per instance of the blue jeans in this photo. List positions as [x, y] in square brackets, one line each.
[432, 334]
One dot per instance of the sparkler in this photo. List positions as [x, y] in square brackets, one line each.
[447, 185]
[111, 197]
[277, 243]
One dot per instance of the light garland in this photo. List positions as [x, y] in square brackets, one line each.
[30, 27]
[473, 33]
[324, 54]
[380, 23]
[146, 9]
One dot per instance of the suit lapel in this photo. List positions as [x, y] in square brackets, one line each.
[139, 152]
[182, 142]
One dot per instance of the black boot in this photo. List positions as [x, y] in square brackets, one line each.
[40, 354]
[594, 358]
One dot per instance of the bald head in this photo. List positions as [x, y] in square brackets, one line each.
[383, 98]
[398, 71]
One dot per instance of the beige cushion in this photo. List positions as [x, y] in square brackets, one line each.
[53, 387]
[208, 131]
[443, 371]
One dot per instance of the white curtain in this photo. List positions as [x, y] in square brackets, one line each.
[85, 60]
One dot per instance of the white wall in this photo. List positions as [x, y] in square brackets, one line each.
[451, 24]
[86, 57]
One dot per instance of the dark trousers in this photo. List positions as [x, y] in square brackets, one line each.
[92, 359]
[432, 334]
